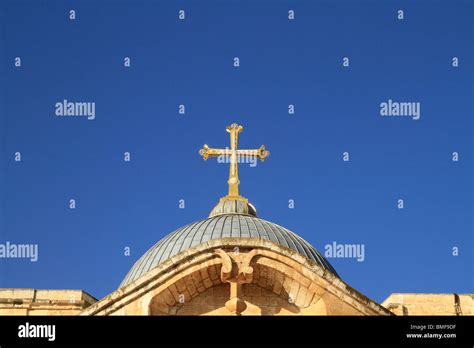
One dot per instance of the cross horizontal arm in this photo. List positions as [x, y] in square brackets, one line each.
[207, 152]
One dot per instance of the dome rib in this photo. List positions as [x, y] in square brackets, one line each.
[255, 230]
[244, 227]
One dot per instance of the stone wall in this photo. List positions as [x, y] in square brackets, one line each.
[430, 304]
[43, 302]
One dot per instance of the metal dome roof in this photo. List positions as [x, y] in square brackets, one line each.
[222, 226]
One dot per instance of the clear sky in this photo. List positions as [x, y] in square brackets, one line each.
[337, 109]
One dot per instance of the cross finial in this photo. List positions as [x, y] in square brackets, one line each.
[234, 153]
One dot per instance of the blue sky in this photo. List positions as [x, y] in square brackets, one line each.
[337, 109]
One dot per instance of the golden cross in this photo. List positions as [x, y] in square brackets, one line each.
[234, 130]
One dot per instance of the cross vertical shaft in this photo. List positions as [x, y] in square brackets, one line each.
[234, 181]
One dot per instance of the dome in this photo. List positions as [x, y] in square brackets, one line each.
[233, 217]
[222, 226]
